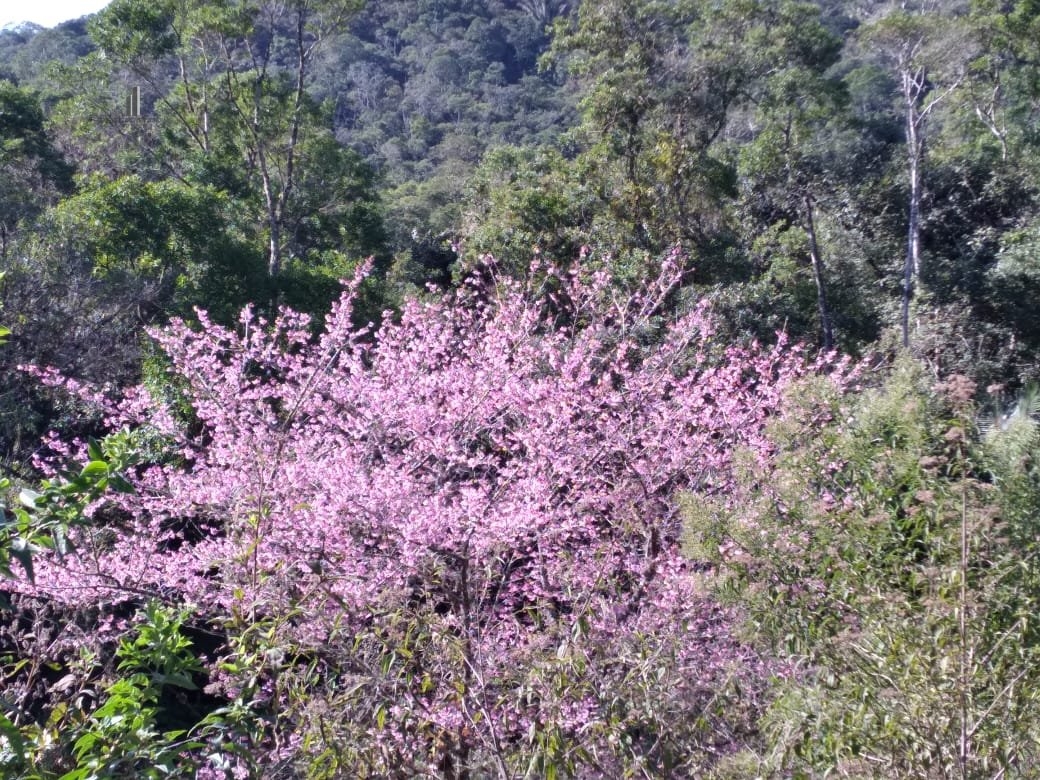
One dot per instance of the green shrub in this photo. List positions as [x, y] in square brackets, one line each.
[888, 556]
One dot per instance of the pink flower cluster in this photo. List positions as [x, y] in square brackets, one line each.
[502, 463]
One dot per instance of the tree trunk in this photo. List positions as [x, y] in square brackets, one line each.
[277, 204]
[817, 266]
[274, 247]
[915, 151]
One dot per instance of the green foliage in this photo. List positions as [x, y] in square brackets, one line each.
[168, 245]
[32, 171]
[422, 90]
[662, 82]
[1015, 280]
[22, 133]
[308, 284]
[27, 51]
[238, 117]
[526, 202]
[121, 737]
[135, 31]
[42, 520]
[705, 124]
[890, 556]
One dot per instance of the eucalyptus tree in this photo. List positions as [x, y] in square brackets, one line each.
[231, 80]
[929, 54]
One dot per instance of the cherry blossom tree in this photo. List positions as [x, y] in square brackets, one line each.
[462, 526]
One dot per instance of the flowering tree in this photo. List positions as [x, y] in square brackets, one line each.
[462, 526]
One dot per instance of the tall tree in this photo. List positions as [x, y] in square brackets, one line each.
[663, 83]
[658, 81]
[1005, 76]
[785, 163]
[929, 54]
[242, 68]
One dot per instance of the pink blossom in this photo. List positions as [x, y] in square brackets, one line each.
[499, 469]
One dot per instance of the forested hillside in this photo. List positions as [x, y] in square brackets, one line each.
[479, 388]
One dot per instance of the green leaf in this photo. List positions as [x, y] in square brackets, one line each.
[94, 468]
[119, 484]
[84, 744]
[94, 451]
[14, 738]
[178, 679]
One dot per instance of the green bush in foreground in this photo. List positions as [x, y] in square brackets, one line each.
[889, 554]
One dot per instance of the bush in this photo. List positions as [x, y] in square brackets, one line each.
[889, 555]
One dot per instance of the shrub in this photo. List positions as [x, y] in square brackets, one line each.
[889, 554]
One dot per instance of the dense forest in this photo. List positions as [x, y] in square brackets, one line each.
[521, 388]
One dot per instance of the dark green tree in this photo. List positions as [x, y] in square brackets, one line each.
[665, 85]
[32, 170]
[785, 167]
[164, 246]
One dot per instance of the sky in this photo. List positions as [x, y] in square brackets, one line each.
[46, 12]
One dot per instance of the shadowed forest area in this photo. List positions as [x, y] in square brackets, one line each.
[465, 389]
